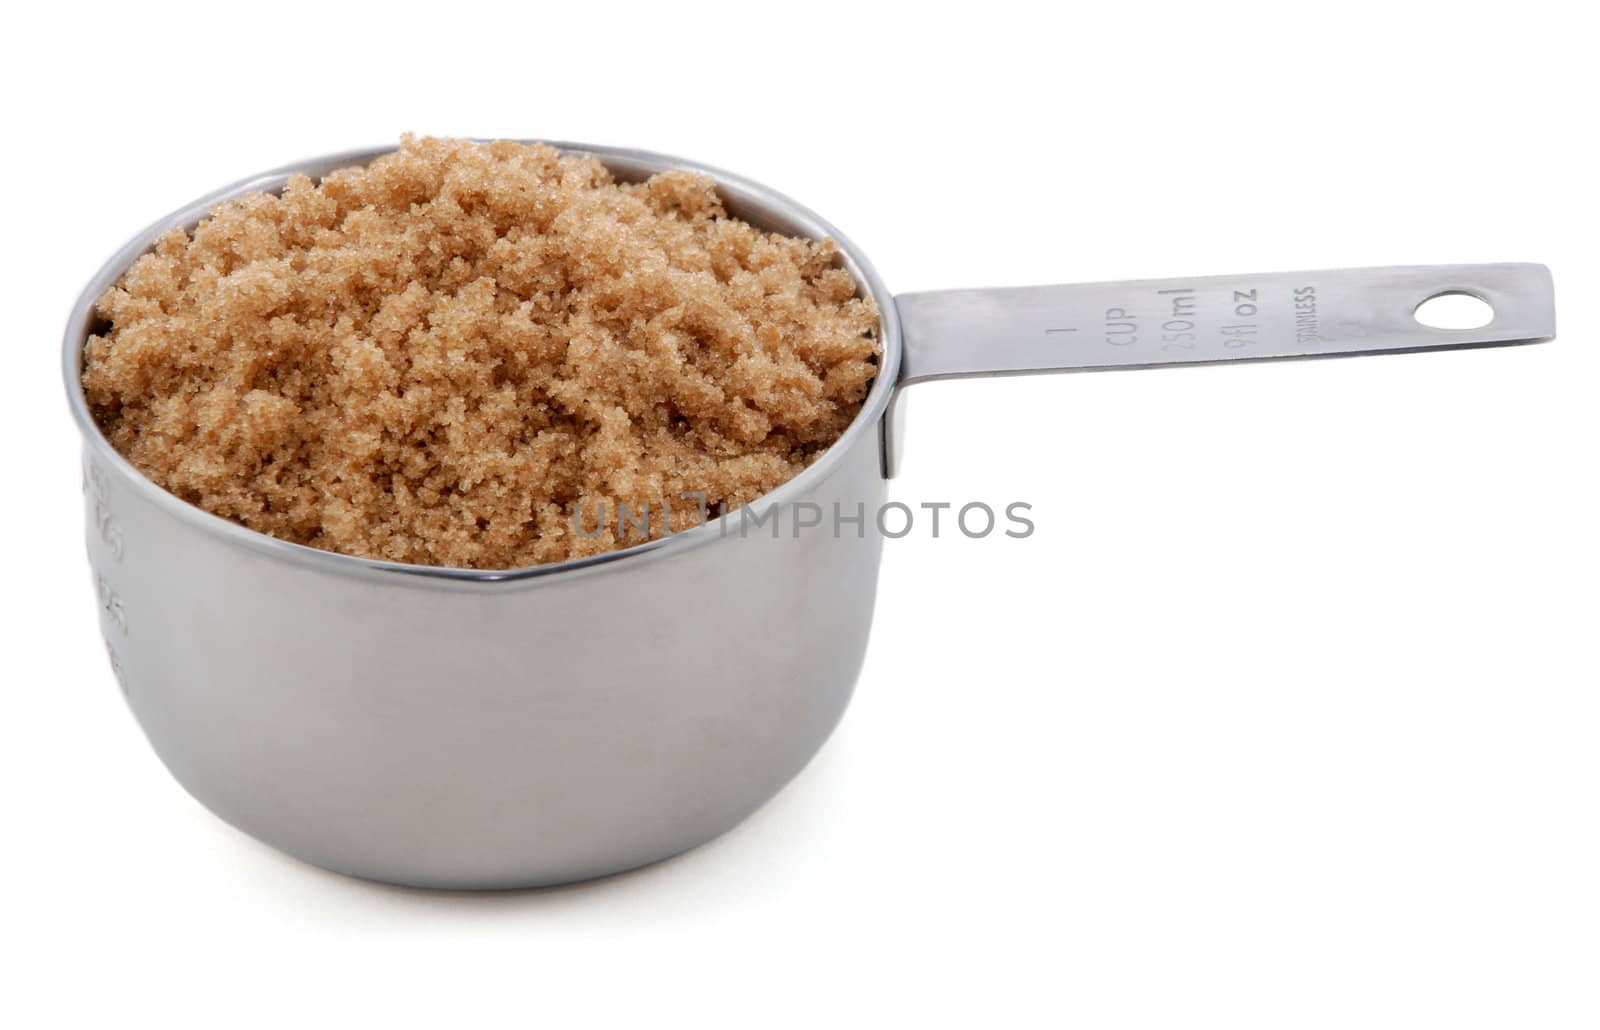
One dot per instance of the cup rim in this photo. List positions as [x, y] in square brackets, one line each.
[744, 197]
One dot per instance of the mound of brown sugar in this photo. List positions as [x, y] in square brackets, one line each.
[441, 357]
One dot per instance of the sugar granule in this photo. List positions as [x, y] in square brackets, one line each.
[440, 357]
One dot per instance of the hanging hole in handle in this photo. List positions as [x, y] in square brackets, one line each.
[1454, 309]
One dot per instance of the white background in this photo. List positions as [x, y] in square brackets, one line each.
[1285, 717]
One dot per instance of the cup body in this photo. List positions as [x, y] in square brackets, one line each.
[484, 730]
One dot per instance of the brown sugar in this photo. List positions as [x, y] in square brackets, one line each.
[440, 358]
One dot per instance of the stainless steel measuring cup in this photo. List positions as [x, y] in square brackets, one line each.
[470, 729]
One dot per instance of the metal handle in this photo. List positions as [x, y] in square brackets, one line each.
[1209, 320]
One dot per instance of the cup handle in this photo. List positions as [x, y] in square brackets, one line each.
[1093, 327]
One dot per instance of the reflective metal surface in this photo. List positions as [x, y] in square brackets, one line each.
[463, 729]
[1153, 323]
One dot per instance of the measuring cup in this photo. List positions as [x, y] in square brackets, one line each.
[452, 728]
